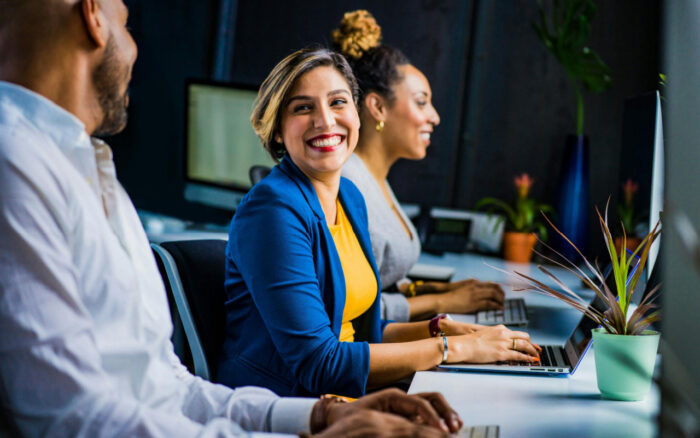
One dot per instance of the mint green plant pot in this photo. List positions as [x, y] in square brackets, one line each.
[624, 364]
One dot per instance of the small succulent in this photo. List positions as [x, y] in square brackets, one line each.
[615, 319]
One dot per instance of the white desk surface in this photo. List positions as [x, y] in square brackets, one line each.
[532, 406]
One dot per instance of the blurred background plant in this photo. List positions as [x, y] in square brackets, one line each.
[523, 216]
[625, 210]
[566, 39]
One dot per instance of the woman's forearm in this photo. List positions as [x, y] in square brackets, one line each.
[425, 306]
[406, 331]
[391, 362]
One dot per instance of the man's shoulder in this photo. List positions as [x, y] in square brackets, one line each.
[28, 159]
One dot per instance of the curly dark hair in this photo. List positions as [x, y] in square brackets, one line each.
[375, 65]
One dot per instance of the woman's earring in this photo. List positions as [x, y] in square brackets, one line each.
[380, 126]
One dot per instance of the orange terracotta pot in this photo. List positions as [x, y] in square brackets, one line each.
[517, 247]
[632, 243]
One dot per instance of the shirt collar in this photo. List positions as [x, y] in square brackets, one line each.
[66, 130]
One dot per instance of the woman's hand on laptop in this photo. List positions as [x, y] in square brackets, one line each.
[453, 328]
[492, 344]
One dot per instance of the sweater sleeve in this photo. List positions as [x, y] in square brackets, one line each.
[272, 247]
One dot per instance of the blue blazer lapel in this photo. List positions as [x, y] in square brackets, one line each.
[302, 181]
[335, 303]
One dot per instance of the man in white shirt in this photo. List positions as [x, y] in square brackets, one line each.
[84, 323]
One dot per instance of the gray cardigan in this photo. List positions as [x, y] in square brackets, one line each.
[394, 251]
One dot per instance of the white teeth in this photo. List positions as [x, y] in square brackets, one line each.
[332, 141]
[425, 136]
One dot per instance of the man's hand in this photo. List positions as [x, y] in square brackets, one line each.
[363, 423]
[429, 409]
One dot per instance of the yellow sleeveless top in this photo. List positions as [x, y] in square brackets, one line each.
[360, 282]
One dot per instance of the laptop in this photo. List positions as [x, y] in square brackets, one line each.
[514, 313]
[479, 432]
[555, 360]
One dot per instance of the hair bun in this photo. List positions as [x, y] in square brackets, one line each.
[358, 33]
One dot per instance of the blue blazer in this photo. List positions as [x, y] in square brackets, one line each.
[285, 292]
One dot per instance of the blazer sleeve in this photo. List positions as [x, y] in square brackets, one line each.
[273, 250]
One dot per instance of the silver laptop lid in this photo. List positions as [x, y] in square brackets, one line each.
[581, 337]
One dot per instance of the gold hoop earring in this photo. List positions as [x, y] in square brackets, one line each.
[380, 126]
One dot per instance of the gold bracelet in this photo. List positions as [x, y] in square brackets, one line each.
[412, 287]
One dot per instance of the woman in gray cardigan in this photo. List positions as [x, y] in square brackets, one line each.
[397, 121]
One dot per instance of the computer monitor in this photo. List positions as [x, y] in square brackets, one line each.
[220, 144]
[680, 380]
[642, 159]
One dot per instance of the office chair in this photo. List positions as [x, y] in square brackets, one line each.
[194, 274]
[257, 173]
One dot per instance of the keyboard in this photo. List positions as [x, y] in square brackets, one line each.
[513, 313]
[479, 432]
[551, 356]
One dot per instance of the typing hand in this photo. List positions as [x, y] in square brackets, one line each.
[452, 328]
[363, 423]
[426, 409]
[470, 296]
[493, 344]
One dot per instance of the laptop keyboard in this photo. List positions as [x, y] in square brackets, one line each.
[514, 310]
[479, 432]
[549, 357]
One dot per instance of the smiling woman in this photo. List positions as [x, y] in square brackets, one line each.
[319, 124]
[398, 119]
[301, 282]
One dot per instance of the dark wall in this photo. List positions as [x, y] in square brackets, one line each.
[504, 101]
[175, 40]
[521, 104]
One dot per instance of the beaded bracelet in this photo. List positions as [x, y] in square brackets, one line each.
[434, 325]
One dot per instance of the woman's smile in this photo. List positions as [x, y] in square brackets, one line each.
[326, 142]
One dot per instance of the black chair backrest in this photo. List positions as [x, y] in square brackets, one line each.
[202, 264]
[257, 173]
[178, 338]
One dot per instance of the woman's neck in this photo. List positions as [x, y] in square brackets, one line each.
[373, 152]
[326, 187]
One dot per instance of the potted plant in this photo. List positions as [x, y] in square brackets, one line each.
[628, 218]
[625, 351]
[564, 30]
[521, 220]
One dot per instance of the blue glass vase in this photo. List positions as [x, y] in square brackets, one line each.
[573, 202]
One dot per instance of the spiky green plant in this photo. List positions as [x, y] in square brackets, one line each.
[615, 319]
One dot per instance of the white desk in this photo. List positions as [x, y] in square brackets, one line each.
[530, 406]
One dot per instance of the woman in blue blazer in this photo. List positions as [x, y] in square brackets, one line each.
[285, 283]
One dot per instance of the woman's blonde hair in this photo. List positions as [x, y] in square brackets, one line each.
[273, 94]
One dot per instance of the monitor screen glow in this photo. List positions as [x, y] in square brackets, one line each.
[221, 144]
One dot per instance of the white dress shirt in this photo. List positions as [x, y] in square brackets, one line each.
[85, 327]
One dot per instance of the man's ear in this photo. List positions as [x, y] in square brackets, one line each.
[95, 23]
[376, 106]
